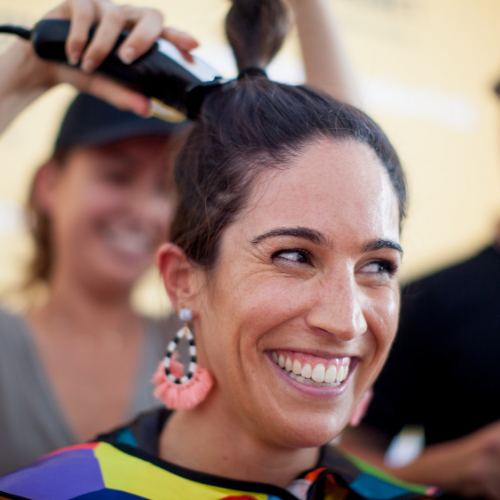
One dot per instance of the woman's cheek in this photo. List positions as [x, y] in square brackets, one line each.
[391, 315]
[102, 199]
[383, 321]
[278, 300]
[247, 309]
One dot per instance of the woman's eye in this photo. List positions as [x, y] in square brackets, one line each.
[299, 256]
[380, 267]
[374, 267]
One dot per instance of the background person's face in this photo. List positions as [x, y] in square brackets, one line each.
[327, 293]
[110, 208]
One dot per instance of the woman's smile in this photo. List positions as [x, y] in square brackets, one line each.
[313, 370]
[132, 243]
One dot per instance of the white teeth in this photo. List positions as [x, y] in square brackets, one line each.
[297, 367]
[306, 371]
[331, 374]
[281, 361]
[318, 374]
[130, 241]
[308, 381]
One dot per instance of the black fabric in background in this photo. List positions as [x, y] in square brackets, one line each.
[443, 371]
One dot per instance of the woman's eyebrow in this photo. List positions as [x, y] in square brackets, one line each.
[298, 232]
[320, 239]
[380, 244]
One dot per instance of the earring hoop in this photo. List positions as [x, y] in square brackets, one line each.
[184, 332]
[177, 390]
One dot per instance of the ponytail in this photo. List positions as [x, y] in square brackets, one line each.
[256, 30]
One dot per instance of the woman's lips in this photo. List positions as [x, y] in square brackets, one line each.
[312, 370]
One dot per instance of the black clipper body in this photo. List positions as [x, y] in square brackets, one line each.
[161, 73]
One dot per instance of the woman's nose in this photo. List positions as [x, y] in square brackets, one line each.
[339, 310]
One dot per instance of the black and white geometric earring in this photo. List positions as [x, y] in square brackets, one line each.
[177, 390]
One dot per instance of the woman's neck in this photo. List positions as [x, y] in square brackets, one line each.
[91, 354]
[80, 309]
[208, 440]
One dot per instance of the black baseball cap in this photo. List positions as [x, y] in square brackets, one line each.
[89, 121]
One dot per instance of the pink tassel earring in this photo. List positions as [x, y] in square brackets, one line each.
[176, 390]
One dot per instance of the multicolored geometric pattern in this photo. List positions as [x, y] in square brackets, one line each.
[99, 471]
[118, 468]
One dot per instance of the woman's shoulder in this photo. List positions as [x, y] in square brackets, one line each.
[10, 322]
[369, 482]
[13, 334]
[114, 466]
[84, 469]
[68, 471]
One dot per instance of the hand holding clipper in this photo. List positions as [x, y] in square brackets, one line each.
[26, 76]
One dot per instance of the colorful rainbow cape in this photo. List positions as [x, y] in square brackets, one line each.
[124, 465]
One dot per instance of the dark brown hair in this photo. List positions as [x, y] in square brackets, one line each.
[253, 125]
[40, 267]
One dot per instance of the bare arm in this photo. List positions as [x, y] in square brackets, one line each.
[469, 466]
[326, 64]
[16, 92]
[25, 77]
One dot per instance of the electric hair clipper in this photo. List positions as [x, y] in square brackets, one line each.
[175, 86]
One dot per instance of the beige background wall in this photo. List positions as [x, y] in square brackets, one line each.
[425, 70]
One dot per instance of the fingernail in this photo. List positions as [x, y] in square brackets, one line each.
[127, 55]
[88, 65]
[74, 58]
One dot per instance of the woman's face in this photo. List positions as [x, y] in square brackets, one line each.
[306, 279]
[110, 209]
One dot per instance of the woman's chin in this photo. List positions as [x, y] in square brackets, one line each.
[310, 433]
[301, 428]
[301, 415]
[113, 277]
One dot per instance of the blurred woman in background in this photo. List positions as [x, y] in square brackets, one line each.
[81, 363]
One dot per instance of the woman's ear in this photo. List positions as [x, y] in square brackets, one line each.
[178, 275]
[42, 192]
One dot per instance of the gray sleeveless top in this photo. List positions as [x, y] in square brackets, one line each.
[31, 423]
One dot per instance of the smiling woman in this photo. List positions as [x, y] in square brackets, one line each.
[283, 259]
[297, 283]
